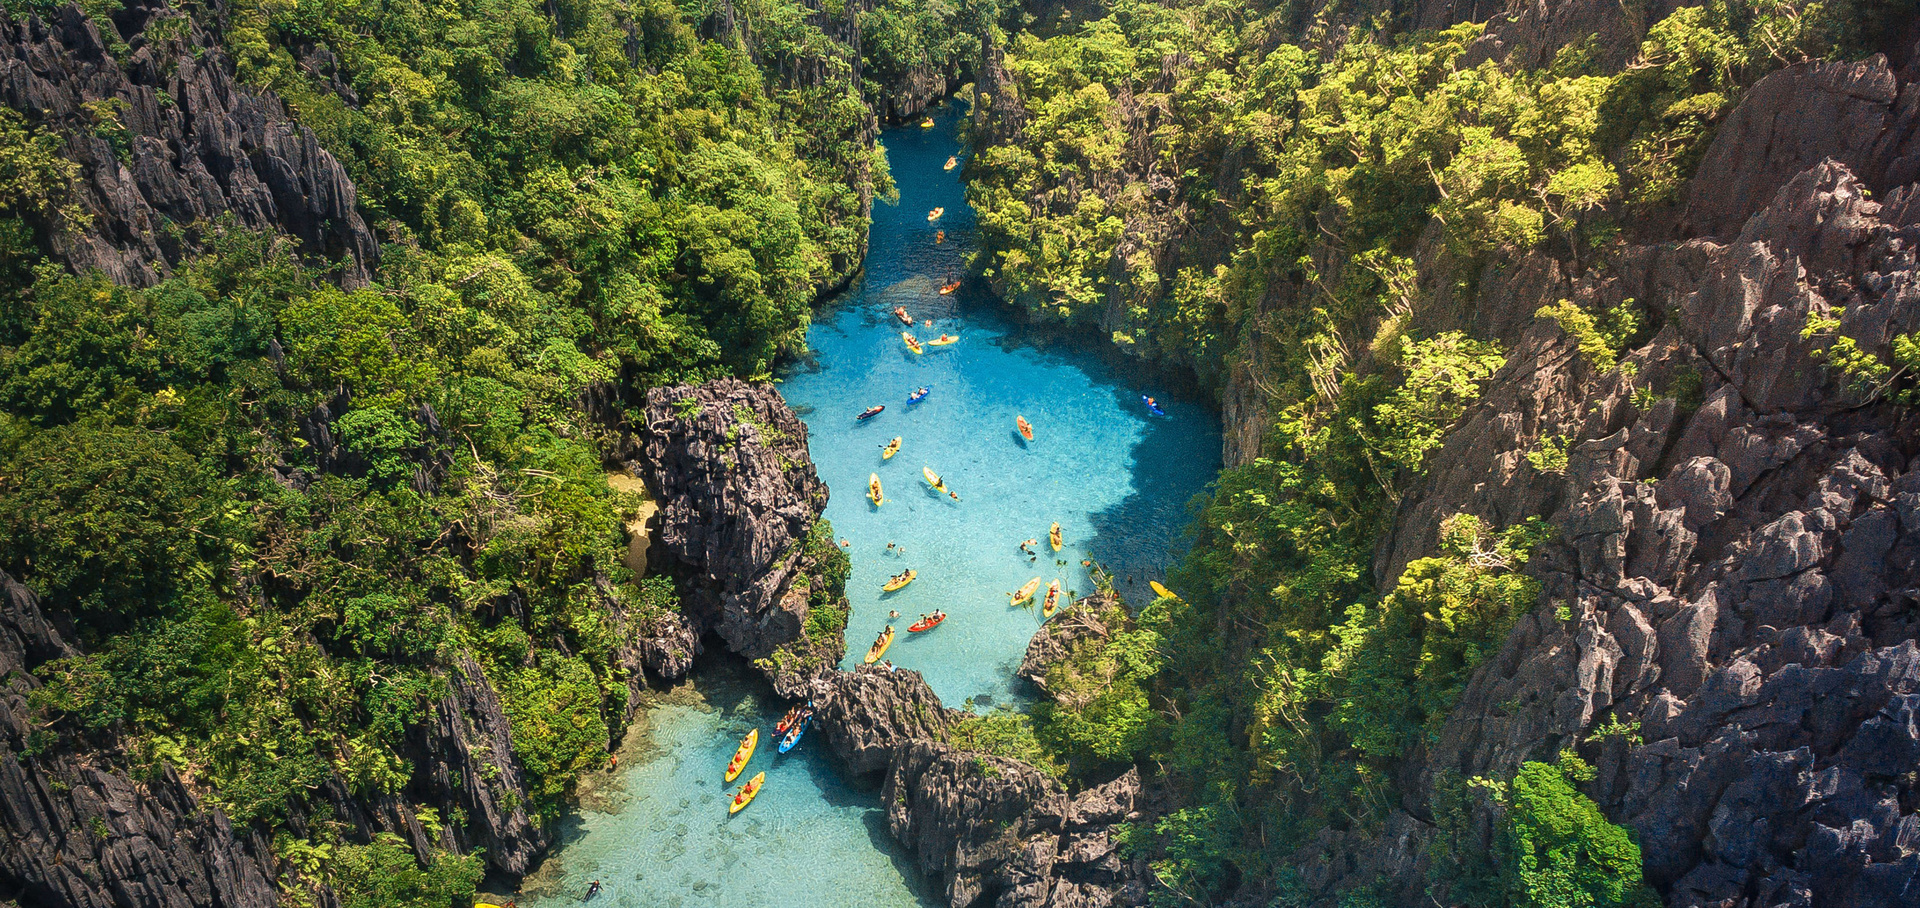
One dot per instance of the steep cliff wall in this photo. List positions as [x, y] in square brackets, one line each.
[1735, 544]
[168, 144]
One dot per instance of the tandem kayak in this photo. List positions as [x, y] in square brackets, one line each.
[871, 412]
[747, 793]
[919, 395]
[787, 721]
[927, 624]
[892, 448]
[880, 644]
[900, 312]
[900, 580]
[952, 162]
[741, 756]
[1053, 600]
[1025, 593]
[873, 488]
[793, 734]
[1152, 406]
[946, 289]
[912, 344]
[935, 214]
[1026, 428]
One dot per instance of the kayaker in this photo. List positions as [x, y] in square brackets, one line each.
[1152, 403]
[952, 495]
[893, 613]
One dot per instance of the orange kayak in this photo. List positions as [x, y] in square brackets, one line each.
[1026, 428]
[926, 625]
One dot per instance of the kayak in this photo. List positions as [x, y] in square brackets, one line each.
[880, 644]
[935, 214]
[926, 123]
[1026, 592]
[1161, 590]
[741, 756]
[933, 479]
[1053, 600]
[873, 488]
[1026, 428]
[793, 736]
[747, 793]
[949, 288]
[919, 395]
[952, 162]
[926, 624]
[1053, 535]
[1151, 406]
[899, 580]
[871, 412]
[944, 340]
[892, 448]
[912, 344]
[900, 312]
[786, 722]
[939, 236]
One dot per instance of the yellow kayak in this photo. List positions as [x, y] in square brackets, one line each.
[1026, 592]
[1053, 600]
[747, 793]
[935, 214]
[1161, 590]
[1053, 535]
[893, 447]
[879, 647]
[933, 479]
[873, 488]
[926, 123]
[899, 580]
[952, 162]
[944, 340]
[741, 756]
[912, 344]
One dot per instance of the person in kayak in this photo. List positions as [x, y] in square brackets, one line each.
[871, 412]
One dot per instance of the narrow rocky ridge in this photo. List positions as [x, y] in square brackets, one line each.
[993, 831]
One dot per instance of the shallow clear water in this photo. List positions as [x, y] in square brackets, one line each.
[1117, 481]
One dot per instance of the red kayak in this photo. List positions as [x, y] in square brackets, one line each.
[926, 625]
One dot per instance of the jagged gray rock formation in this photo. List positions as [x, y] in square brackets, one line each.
[1737, 534]
[727, 461]
[864, 715]
[995, 831]
[168, 145]
[80, 828]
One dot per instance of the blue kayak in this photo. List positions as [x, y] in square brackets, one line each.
[793, 735]
[1151, 407]
[919, 395]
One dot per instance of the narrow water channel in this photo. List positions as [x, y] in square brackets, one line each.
[1115, 478]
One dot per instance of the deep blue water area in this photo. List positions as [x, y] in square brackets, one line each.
[1116, 478]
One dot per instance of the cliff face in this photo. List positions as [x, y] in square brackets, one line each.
[1737, 528]
[739, 503]
[168, 144]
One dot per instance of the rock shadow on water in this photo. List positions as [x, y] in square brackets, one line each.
[1167, 456]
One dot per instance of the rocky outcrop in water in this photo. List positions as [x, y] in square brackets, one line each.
[168, 144]
[1737, 530]
[739, 507]
[863, 716]
[1087, 621]
[994, 830]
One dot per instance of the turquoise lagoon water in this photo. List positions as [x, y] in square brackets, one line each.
[656, 833]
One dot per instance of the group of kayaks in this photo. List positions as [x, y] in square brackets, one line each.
[1026, 592]
[788, 731]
